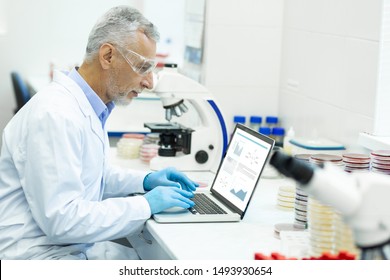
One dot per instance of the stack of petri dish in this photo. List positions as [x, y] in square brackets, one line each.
[355, 162]
[327, 231]
[301, 198]
[292, 198]
[148, 151]
[319, 159]
[300, 209]
[149, 147]
[129, 145]
[346, 240]
[380, 161]
[152, 138]
[286, 197]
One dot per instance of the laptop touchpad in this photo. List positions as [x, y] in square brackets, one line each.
[175, 210]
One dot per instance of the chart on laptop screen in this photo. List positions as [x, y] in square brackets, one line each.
[241, 167]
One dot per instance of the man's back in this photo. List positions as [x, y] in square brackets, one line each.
[31, 162]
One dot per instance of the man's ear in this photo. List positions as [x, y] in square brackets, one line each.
[106, 56]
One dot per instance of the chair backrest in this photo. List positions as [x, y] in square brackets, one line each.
[22, 94]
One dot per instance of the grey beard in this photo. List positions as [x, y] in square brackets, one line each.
[122, 101]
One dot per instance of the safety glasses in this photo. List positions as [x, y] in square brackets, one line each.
[140, 64]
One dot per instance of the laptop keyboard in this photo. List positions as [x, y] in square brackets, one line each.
[204, 205]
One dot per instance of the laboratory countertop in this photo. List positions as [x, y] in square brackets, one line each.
[202, 241]
[236, 240]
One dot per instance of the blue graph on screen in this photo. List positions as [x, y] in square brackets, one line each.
[240, 194]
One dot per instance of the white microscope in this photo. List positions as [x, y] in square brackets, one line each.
[361, 198]
[199, 148]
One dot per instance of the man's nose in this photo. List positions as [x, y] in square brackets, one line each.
[147, 82]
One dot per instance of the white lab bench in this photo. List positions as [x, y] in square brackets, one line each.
[214, 241]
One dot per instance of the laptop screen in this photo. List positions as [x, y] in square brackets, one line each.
[241, 167]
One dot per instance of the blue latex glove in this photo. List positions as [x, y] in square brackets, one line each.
[169, 177]
[162, 198]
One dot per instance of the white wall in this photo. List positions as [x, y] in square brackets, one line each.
[40, 31]
[242, 55]
[382, 112]
[3, 19]
[329, 67]
[168, 16]
[312, 62]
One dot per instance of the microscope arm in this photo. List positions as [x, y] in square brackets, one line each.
[173, 87]
[361, 198]
[209, 137]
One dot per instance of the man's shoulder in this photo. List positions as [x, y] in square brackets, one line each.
[54, 100]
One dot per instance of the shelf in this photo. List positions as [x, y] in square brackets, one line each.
[373, 142]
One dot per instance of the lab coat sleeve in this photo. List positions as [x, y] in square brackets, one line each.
[58, 199]
[121, 182]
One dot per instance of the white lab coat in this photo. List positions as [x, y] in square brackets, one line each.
[52, 165]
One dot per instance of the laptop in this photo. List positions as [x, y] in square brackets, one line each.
[234, 182]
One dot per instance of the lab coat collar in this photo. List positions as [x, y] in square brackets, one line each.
[73, 88]
[86, 108]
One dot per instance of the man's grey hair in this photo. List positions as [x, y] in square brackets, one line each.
[117, 26]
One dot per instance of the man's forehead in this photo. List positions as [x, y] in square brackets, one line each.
[145, 46]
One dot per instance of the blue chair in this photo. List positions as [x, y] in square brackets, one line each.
[22, 94]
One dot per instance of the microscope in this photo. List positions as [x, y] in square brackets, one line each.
[361, 198]
[199, 148]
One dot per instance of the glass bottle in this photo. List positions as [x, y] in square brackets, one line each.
[271, 121]
[255, 122]
[239, 119]
[277, 133]
[265, 131]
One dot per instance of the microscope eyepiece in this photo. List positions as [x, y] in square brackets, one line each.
[290, 167]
